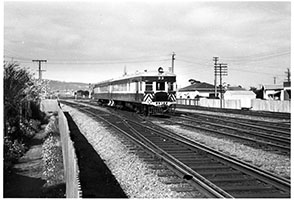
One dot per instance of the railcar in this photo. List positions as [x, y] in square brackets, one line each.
[150, 92]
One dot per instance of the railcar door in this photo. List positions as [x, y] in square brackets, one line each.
[137, 91]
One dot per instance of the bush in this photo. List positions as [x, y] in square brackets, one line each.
[27, 131]
[34, 124]
[52, 126]
[13, 150]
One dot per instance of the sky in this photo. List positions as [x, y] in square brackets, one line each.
[92, 41]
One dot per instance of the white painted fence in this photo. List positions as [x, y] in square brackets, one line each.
[256, 104]
[271, 105]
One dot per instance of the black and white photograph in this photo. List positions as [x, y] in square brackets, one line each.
[146, 99]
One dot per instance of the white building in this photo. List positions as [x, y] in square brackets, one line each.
[241, 94]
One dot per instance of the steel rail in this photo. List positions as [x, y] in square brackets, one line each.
[268, 136]
[281, 183]
[266, 114]
[250, 123]
[282, 147]
[201, 184]
[274, 179]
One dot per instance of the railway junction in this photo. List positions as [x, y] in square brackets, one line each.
[195, 154]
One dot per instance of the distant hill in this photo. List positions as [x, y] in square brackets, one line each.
[61, 85]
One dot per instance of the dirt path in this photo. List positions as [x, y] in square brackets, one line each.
[26, 181]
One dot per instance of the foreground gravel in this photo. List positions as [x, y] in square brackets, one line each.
[132, 173]
[272, 162]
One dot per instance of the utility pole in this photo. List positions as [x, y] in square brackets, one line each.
[173, 62]
[215, 59]
[40, 69]
[221, 70]
[288, 73]
[125, 70]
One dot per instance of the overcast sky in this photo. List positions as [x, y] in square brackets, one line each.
[90, 41]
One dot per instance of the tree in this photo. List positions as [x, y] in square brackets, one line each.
[258, 92]
[21, 96]
[15, 82]
[253, 89]
[19, 90]
[193, 81]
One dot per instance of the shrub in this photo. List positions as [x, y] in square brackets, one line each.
[13, 150]
[52, 126]
[26, 130]
[34, 124]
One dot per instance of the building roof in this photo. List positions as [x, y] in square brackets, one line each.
[235, 88]
[198, 86]
[273, 87]
[240, 92]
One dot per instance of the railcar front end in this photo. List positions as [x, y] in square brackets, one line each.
[150, 92]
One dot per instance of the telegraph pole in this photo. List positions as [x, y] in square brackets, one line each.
[173, 62]
[40, 69]
[215, 59]
[221, 70]
[288, 73]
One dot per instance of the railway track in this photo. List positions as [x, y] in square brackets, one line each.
[214, 174]
[266, 114]
[279, 140]
[279, 127]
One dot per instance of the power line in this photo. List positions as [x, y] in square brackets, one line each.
[192, 62]
[250, 71]
[198, 58]
[90, 62]
[256, 58]
[105, 63]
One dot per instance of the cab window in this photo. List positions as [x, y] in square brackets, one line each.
[148, 86]
[160, 85]
[170, 86]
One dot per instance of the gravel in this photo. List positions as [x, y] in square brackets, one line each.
[272, 162]
[133, 174]
[268, 119]
[139, 181]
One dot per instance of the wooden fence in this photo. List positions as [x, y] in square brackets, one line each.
[255, 104]
[73, 188]
[71, 169]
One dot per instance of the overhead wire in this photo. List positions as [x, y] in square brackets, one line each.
[234, 60]
[192, 62]
[257, 58]
[89, 62]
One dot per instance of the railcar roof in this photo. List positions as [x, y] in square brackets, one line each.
[139, 74]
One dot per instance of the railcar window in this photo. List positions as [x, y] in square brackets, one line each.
[103, 89]
[160, 86]
[120, 87]
[170, 86]
[149, 86]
